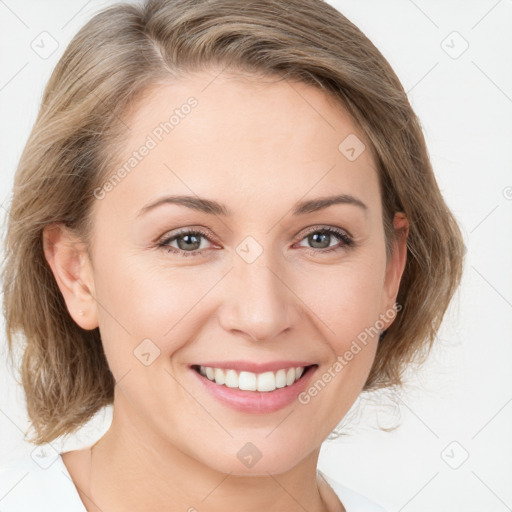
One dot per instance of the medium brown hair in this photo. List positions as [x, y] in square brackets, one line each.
[114, 58]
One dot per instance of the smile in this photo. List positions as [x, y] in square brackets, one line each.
[249, 381]
[269, 388]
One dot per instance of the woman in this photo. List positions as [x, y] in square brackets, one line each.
[225, 223]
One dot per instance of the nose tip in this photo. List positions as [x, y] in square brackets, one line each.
[258, 305]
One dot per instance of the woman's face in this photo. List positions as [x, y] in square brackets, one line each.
[262, 283]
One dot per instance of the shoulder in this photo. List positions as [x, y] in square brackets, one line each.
[39, 482]
[352, 500]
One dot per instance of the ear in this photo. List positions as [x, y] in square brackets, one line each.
[72, 269]
[395, 266]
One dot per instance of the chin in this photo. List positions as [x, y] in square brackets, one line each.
[249, 461]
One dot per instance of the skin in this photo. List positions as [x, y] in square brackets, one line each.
[258, 147]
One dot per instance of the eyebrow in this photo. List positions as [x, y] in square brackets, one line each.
[215, 208]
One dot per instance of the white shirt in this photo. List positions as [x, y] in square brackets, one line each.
[43, 484]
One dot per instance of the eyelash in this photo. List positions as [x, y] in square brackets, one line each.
[346, 239]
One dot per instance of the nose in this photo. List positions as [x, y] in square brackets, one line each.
[258, 303]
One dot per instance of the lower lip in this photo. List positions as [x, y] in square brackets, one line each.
[256, 401]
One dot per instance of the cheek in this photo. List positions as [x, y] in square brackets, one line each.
[139, 302]
[347, 305]
[346, 299]
[348, 308]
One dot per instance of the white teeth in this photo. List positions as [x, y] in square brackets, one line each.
[280, 378]
[231, 380]
[249, 381]
[266, 381]
[220, 378]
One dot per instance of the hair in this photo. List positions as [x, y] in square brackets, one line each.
[109, 65]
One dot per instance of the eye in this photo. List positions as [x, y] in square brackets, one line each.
[188, 242]
[320, 238]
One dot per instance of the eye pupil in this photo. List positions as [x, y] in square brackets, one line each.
[314, 239]
[187, 237]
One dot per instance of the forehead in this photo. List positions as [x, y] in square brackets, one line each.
[215, 134]
[269, 110]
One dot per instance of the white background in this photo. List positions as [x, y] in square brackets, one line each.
[459, 404]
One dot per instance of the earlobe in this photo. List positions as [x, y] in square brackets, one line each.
[67, 257]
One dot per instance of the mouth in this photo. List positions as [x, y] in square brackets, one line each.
[261, 382]
[269, 388]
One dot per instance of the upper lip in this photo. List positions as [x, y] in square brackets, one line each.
[251, 366]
